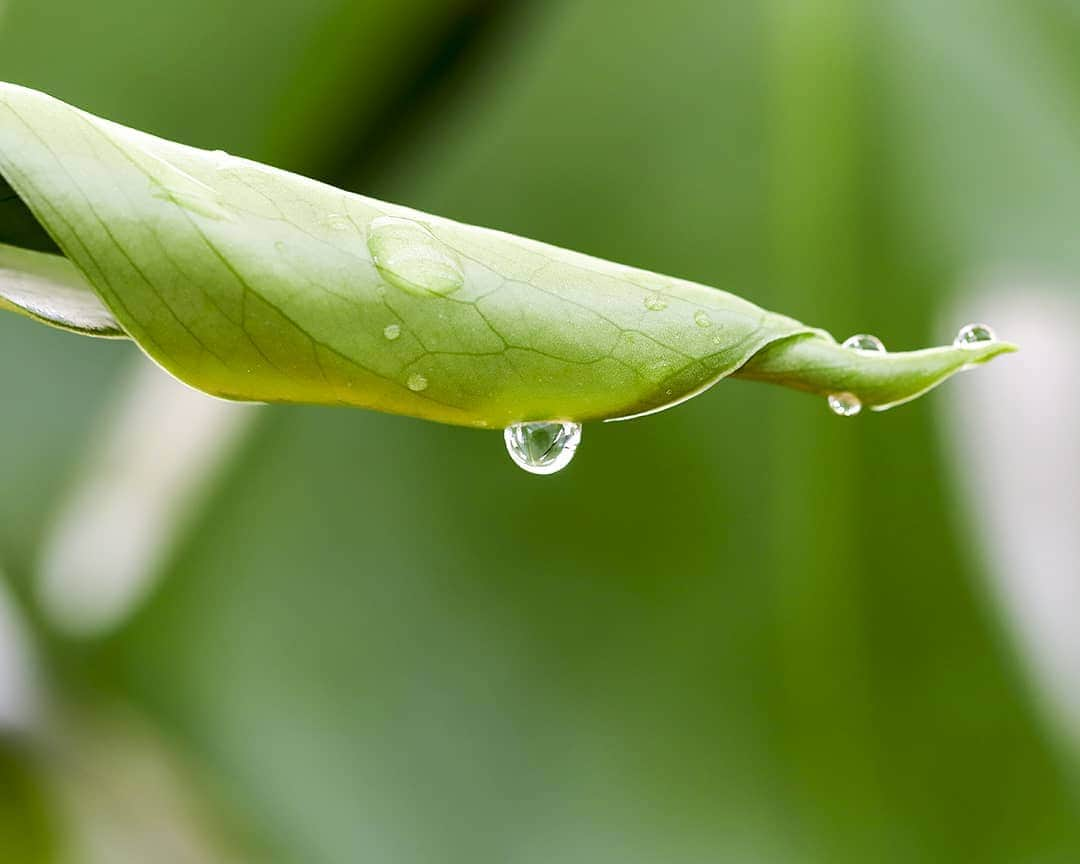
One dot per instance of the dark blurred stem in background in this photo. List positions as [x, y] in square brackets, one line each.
[437, 78]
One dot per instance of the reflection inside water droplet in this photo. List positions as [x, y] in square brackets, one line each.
[845, 404]
[392, 331]
[409, 257]
[864, 342]
[542, 448]
[973, 334]
[417, 382]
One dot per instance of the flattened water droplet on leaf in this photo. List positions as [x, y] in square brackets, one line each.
[655, 303]
[864, 342]
[702, 319]
[845, 404]
[542, 448]
[973, 334]
[409, 257]
[417, 382]
[392, 331]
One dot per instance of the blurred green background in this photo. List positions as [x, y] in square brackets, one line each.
[742, 630]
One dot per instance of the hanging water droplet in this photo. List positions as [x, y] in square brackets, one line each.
[392, 331]
[417, 382]
[845, 404]
[542, 448]
[655, 303]
[864, 342]
[409, 257]
[702, 319]
[972, 334]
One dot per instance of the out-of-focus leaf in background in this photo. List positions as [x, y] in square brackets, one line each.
[716, 637]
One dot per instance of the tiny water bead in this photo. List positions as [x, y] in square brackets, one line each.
[864, 342]
[702, 319]
[202, 201]
[844, 404]
[337, 222]
[973, 334]
[408, 256]
[417, 382]
[542, 448]
[655, 303]
[392, 331]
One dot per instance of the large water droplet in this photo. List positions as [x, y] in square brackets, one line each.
[655, 303]
[542, 448]
[845, 404]
[702, 319]
[864, 342]
[392, 331]
[409, 257]
[973, 334]
[417, 382]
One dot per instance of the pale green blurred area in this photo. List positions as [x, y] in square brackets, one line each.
[742, 630]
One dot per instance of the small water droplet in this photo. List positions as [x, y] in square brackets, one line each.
[279, 245]
[337, 222]
[170, 183]
[702, 319]
[845, 404]
[392, 331]
[409, 257]
[973, 334]
[542, 448]
[655, 303]
[417, 382]
[194, 200]
[864, 342]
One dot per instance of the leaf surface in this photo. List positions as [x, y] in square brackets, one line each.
[252, 283]
[48, 288]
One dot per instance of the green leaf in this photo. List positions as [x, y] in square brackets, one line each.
[880, 380]
[49, 289]
[256, 284]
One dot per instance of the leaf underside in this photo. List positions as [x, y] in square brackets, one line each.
[256, 284]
